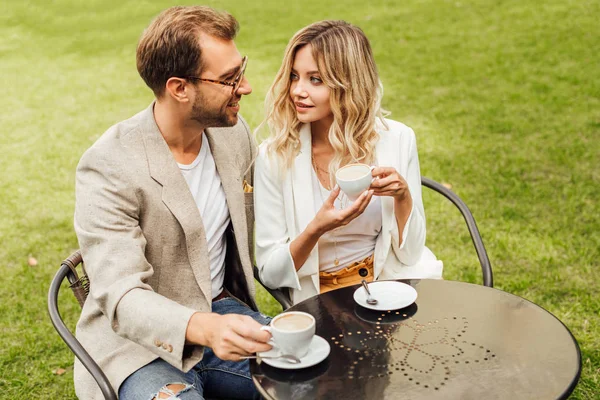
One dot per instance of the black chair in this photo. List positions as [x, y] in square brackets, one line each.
[80, 287]
[486, 267]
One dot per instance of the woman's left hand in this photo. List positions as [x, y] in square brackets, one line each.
[389, 183]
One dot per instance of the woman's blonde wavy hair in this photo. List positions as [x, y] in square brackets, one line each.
[346, 65]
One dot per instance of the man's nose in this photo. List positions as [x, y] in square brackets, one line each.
[245, 87]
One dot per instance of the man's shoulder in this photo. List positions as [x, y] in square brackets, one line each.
[115, 142]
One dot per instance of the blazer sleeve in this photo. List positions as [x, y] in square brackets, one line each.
[112, 244]
[413, 235]
[274, 260]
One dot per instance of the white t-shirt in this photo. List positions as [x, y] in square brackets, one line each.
[205, 184]
[353, 242]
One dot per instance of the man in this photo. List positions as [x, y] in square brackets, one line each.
[164, 225]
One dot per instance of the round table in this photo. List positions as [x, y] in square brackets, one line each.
[457, 341]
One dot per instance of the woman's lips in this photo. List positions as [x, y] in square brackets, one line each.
[302, 107]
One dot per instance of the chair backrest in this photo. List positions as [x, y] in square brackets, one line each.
[80, 287]
[484, 261]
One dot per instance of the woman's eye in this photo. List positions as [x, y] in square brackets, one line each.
[314, 79]
[293, 77]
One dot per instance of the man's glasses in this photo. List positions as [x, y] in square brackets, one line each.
[235, 83]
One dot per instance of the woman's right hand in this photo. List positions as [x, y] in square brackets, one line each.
[329, 218]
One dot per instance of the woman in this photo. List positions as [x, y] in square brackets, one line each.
[324, 111]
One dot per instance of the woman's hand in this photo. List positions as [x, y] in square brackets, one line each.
[390, 183]
[329, 218]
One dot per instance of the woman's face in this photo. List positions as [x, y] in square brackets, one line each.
[308, 92]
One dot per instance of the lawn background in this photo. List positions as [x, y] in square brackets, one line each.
[504, 97]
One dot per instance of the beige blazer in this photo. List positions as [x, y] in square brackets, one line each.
[285, 207]
[145, 250]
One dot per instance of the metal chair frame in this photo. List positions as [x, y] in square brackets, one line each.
[80, 287]
[486, 266]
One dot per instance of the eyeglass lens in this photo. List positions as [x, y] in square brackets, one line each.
[240, 77]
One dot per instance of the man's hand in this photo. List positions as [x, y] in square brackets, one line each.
[230, 336]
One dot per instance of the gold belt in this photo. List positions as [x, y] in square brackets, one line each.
[347, 276]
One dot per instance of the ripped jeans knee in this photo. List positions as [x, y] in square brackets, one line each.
[172, 391]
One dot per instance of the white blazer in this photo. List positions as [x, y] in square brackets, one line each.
[284, 206]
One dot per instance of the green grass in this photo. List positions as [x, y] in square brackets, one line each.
[504, 96]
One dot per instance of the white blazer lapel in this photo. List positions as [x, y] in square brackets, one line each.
[304, 203]
[302, 181]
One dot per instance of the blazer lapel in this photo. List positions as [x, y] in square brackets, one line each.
[304, 203]
[230, 165]
[302, 181]
[177, 197]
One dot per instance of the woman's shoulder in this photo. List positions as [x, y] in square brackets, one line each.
[265, 156]
[265, 149]
[262, 147]
[389, 128]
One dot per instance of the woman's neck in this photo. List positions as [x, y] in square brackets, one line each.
[321, 148]
[320, 133]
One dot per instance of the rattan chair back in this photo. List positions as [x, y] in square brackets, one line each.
[80, 285]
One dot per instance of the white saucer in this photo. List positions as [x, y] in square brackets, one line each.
[317, 352]
[390, 295]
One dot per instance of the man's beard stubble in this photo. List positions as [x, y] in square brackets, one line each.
[212, 117]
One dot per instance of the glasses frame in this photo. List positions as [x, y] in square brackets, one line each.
[235, 83]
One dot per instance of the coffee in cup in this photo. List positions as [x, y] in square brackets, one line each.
[292, 332]
[293, 322]
[354, 179]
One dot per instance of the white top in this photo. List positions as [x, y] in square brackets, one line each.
[205, 184]
[352, 242]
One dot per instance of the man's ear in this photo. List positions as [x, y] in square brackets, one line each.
[177, 89]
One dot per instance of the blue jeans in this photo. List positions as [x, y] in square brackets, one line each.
[211, 377]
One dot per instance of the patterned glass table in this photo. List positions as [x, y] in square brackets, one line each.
[457, 341]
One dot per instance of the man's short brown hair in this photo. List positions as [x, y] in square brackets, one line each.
[170, 46]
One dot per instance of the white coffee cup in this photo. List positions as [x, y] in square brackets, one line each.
[292, 332]
[354, 179]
